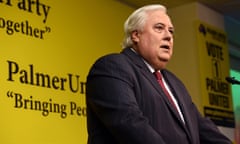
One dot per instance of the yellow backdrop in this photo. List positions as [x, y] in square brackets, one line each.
[47, 48]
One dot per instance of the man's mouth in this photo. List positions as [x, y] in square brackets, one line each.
[165, 46]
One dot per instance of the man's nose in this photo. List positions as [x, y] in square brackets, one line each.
[167, 35]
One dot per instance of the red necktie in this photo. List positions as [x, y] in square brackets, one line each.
[158, 75]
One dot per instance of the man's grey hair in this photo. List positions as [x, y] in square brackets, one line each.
[136, 21]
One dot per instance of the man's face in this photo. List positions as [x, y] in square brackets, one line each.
[155, 41]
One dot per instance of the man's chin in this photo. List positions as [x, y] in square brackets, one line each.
[164, 59]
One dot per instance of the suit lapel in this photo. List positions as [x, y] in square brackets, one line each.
[177, 91]
[156, 85]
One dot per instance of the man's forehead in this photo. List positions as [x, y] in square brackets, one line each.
[160, 17]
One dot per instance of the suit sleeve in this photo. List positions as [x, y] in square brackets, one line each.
[110, 95]
[209, 133]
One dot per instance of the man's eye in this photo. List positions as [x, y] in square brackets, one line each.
[159, 28]
[171, 31]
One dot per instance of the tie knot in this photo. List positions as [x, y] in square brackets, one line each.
[158, 75]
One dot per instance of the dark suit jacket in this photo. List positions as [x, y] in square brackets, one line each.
[126, 105]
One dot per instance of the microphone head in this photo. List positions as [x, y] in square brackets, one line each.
[232, 80]
[229, 79]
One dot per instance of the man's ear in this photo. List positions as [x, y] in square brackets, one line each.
[135, 36]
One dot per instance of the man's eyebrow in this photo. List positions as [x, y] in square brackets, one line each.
[170, 27]
[159, 23]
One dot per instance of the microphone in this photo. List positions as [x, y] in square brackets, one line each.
[232, 80]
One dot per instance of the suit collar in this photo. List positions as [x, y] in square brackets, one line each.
[135, 58]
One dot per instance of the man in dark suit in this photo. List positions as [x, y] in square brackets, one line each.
[125, 102]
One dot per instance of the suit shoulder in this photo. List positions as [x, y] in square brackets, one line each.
[115, 66]
[111, 59]
[112, 63]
